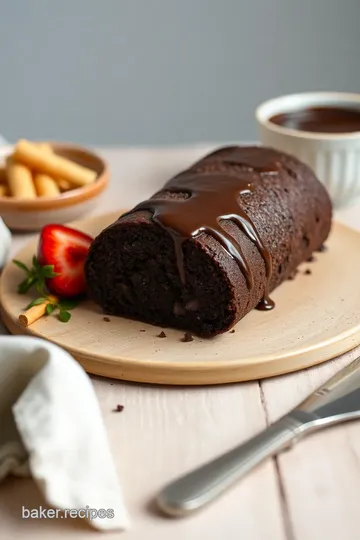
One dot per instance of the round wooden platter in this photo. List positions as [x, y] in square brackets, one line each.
[317, 317]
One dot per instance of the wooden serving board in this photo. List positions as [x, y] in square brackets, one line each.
[317, 317]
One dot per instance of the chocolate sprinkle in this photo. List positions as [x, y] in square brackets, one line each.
[119, 408]
[232, 331]
[311, 259]
[187, 337]
[106, 319]
[307, 272]
[292, 276]
[161, 335]
[142, 330]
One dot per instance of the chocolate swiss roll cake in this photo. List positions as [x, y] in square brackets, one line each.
[213, 243]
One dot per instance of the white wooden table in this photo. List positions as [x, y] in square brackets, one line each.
[309, 493]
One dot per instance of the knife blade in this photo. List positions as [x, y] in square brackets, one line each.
[339, 396]
[335, 401]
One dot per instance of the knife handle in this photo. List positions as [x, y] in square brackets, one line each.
[202, 485]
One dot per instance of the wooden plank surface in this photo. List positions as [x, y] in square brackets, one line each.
[308, 493]
[161, 433]
[320, 476]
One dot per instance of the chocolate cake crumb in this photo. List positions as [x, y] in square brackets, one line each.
[106, 319]
[307, 272]
[232, 331]
[322, 248]
[193, 305]
[161, 335]
[293, 274]
[311, 259]
[119, 408]
[187, 337]
[178, 309]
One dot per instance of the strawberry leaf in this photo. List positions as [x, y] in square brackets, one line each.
[22, 266]
[49, 309]
[67, 305]
[36, 302]
[36, 263]
[26, 285]
[48, 271]
[39, 285]
[36, 277]
[64, 316]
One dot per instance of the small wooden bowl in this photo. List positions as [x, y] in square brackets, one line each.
[31, 215]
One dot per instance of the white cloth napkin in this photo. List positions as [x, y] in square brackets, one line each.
[5, 243]
[51, 427]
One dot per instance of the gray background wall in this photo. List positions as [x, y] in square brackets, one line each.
[165, 71]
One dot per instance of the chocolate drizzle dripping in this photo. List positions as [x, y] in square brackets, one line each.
[212, 197]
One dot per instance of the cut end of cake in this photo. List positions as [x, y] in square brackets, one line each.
[131, 271]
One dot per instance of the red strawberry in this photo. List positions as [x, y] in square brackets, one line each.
[66, 249]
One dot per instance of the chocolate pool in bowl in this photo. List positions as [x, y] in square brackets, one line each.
[322, 129]
[320, 119]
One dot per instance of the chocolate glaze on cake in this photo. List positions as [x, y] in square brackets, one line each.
[206, 206]
[213, 243]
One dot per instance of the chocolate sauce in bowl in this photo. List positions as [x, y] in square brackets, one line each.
[320, 119]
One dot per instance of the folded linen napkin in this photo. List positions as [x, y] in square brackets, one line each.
[5, 243]
[51, 427]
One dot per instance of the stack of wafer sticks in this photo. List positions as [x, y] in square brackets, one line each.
[34, 170]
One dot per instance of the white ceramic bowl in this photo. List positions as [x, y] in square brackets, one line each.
[334, 157]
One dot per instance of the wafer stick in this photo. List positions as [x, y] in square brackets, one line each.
[20, 180]
[63, 184]
[45, 146]
[46, 186]
[36, 312]
[3, 179]
[4, 190]
[56, 166]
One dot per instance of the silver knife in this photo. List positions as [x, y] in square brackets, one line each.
[336, 401]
